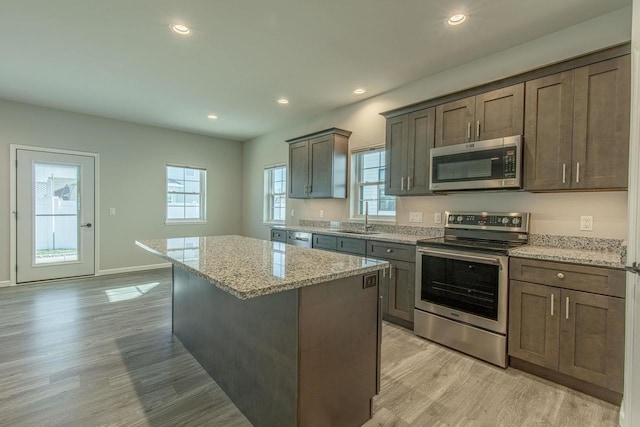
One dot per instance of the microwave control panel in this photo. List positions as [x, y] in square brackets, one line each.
[510, 157]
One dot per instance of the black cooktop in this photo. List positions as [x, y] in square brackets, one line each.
[471, 245]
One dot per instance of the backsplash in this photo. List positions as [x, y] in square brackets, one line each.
[425, 232]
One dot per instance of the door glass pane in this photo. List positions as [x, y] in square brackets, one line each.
[56, 213]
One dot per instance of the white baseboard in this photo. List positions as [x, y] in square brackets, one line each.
[5, 283]
[133, 269]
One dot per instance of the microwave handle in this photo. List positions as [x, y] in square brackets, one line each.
[462, 257]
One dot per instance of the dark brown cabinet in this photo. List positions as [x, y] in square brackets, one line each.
[398, 281]
[318, 165]
[489, 115]
[408, 141]
[577, 128]
[576, 333]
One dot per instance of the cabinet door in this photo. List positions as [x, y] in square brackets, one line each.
[402, 282]
[454, 121]
[534, 323]
[601, 124]
[548, 132]
[420, 142]
[592, 338]
[499, 113]
[298, 170]
[321, 166]
[395, 155]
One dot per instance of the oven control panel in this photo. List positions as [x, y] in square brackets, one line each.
[507, 221]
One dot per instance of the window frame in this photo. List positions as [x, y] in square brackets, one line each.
[203, 195]
[269, 194]
[356, 185]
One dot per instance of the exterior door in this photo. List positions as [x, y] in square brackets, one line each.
[55, 214]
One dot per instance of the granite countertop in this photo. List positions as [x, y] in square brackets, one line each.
[380, 236]
[609, 259]
[248, 268]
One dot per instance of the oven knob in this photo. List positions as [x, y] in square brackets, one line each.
[505, 220]
[452, 218]
[460, 218]
[516, 221]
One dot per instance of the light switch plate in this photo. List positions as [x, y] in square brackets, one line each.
[586, 223]
[415, 216]
[293, 212]
[437, 218]
[112, 211]
[321, 213]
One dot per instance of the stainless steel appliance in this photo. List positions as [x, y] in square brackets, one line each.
[481, 165]
[462, 282]
[299, 238]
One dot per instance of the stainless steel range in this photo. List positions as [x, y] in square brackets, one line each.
[462, 282]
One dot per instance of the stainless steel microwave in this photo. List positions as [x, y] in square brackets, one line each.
[481, 165]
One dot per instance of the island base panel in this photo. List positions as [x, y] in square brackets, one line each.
[249, 347]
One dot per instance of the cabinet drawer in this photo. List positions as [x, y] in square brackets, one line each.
[393, 251]
[351, 246]
[278, 235]
[597, 280]
[320, 241]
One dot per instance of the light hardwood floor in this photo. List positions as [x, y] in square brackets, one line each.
[99, 351]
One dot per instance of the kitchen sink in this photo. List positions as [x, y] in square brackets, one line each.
[356, 232]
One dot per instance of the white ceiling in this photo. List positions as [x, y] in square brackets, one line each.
[119, 59]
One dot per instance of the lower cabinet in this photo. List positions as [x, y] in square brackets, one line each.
[399, 291]
[397, 283]
[576, 333]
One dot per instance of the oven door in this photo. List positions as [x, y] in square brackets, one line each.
[464, 286]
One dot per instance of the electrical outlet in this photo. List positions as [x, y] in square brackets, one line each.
[321, 213]
[112, 211]
[293, 212]
[586, 223]
[415, 216]
[437, 218]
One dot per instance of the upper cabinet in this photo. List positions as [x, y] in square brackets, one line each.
[577, 128]
[489, 115]
[409, 139]
[318, 165]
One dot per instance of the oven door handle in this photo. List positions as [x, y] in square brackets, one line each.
[463, 257]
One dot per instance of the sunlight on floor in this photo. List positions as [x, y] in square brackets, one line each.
[129, 292]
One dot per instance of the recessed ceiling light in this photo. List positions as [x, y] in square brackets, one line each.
[212, 116]
[181, 29]
[359, 91]
[283, 101]
[457, 19]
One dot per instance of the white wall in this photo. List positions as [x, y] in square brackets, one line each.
[132, 177]
[551, 213]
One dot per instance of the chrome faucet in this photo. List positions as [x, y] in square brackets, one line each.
[366, 217]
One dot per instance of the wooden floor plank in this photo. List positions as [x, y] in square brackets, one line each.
[99, 351]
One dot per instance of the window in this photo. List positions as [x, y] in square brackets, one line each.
[275, 194]
[186, 194]
[368, 170]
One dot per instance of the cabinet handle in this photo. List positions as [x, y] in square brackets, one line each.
[408, 183]
[402, 183]
[310, 187]
[552, 303]
[564, 173]
[469, 131]
[566, 315]
[578, 172]
[560, 275]
[478, 129]
[384, 273]
[390, 272]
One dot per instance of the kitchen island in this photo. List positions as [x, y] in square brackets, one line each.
[292, 335]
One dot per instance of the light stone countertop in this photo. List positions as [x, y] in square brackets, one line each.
[248, 268]
[609, 259]
[408, 239]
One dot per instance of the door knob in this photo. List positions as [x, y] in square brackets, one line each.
[88, 225]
